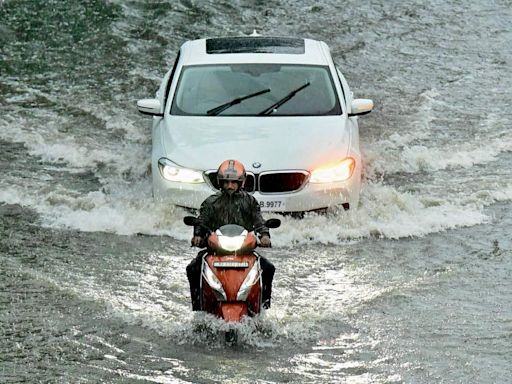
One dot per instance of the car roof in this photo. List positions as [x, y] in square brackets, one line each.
[252, 49]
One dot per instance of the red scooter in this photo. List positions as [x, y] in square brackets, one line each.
[231, 272]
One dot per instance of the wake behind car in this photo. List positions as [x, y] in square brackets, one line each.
[278, 105]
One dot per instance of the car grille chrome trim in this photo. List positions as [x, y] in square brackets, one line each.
[268, 182]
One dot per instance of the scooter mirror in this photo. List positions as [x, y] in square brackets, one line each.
[272, 223]
[190, 220]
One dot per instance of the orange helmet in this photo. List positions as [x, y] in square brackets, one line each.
[231, 170]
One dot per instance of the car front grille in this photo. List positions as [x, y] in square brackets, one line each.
[281, 182]
[268, 182]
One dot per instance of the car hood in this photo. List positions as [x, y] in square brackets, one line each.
[304, 142]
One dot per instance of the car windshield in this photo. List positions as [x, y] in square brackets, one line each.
[205, 88]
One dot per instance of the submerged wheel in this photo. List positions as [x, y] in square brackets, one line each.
[231, 336]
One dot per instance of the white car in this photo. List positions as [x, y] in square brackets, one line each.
[278, 105]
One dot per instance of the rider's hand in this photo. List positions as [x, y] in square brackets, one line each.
[196, 241]
[265, 241]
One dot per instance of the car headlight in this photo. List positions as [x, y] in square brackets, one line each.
[214, 282]
[231, 243]
[340, 171]
[173, 172]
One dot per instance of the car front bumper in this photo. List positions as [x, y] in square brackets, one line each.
[310, 197]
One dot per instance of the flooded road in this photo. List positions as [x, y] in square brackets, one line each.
[414, 287]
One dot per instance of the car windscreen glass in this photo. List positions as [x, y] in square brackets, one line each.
[203, 87]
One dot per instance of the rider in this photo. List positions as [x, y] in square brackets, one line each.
[232, 205]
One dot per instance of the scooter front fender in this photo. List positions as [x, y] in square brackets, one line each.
[233, 312]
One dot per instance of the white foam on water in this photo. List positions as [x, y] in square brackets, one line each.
[17, 195]
[117, 118]
[78, 153]
[383, 212]
[409, 150]
[113, 217]
[97, 211]
[127, 208]
[419, 157]
[384, 155]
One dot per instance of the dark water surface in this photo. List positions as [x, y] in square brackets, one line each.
[414, 287]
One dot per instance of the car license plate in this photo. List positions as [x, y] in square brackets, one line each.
[272, 204]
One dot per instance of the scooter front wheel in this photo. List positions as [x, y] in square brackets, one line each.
[231, 336]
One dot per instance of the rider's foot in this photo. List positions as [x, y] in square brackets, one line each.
[196, 303]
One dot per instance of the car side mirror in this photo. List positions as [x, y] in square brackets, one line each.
[360, 107]
[150, 107]
[272, 223]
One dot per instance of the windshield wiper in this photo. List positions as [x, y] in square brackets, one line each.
[285, 99]
[215, 111]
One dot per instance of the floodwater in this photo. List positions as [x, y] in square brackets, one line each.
[413, 287]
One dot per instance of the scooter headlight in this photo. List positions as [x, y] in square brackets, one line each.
[252, 278]
[231, 243]
[213, 282]
[340, 171]
[173, 172]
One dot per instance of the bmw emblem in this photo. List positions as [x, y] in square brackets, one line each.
[256, 165]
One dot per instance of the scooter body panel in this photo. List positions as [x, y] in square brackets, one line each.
[231, 271]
